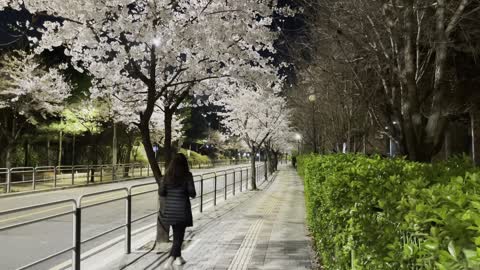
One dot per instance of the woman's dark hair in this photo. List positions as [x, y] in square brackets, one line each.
[177, 170]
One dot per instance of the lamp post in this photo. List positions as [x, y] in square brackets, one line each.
[392, 145]
[312, 98]
[298, 137]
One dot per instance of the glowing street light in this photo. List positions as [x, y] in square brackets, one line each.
[156, 42]
[298, 137]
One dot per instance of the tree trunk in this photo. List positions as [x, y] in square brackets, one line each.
[144, 126]
[266, 164]
[60, 148]
[437, 121]
[168, 137]
[8, 156]
[114, 145]
[11, 143]
[26, 147]
[364, 144]
[270, 160]
[73, 150]
[275, 160]
[411, 119]
[253, 169]
[447, 146]
[128, 158]
[162, 231]
[93, 157]
[475, 136]
[49, 158]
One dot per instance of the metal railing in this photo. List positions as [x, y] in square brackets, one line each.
[232, 181]
[45, 177]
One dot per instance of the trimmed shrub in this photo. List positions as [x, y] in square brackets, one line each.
[374, 213]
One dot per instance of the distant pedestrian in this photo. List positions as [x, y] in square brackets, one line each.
[177, 211]
[294, 161]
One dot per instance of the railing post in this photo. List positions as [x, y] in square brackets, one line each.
[128, 226]
[241, 179]
[148, 170]
[34, 175]
[141, 169]
[234, 172]
[101, 173]
[113, 172]
[77, 240]
[215, 191]
[201, 194]
[225, 185]
[55, 176]
[9, 180]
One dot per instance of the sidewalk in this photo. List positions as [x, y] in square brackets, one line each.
[256, 230]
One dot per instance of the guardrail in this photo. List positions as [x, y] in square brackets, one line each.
[45, 177]
[232, 180]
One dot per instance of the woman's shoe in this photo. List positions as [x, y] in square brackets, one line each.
[179, 261]
[168, 264]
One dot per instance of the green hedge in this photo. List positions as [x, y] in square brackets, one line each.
[374, 213]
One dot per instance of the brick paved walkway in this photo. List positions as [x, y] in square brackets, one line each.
[256, 230]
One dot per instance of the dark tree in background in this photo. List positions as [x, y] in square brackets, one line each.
[398, 69]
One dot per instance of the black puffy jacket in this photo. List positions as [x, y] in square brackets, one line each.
[177, 208]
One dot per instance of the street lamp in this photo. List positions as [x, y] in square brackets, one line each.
[391, 143]
[298, 137]
[156, 42]
[312, 98]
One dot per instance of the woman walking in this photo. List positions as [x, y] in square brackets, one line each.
[177, 212]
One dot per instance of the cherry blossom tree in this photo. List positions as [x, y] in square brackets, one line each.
[146, 51]
[157, 121]
[282, 141]
[254, 114]
[28, 93]
[149, 53]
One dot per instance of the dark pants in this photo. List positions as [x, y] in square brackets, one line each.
[178, 234]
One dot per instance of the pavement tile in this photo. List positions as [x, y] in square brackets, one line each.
[281, 242]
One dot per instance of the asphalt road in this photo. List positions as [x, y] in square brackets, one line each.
[26, 244]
